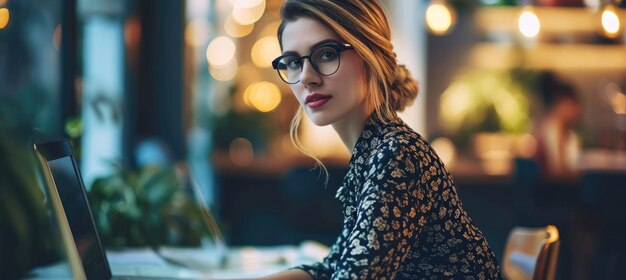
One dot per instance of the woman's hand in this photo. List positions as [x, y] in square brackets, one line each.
[292, 274]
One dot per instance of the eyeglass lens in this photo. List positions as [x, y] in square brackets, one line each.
[325, 60]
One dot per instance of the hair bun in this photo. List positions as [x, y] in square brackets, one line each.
[405, 88]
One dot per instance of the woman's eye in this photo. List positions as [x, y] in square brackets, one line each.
[293, 63]
[328, 55]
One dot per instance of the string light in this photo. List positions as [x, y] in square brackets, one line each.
[528, 23]
[440, 17]
[611, 25]
[4, 17]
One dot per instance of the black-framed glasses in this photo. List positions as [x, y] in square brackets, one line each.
[325, 59]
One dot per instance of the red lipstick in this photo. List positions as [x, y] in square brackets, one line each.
[316, 100]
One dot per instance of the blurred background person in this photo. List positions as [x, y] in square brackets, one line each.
[558, 146]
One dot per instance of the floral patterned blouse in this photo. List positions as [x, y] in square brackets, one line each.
[402, 215]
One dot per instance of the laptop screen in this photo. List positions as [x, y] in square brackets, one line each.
[75, 203]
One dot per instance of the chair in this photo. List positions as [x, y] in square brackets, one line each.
[531, 253]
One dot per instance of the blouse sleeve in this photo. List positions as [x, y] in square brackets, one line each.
[324, 269]
[386, 223]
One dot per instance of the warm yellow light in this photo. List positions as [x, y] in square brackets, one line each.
[264, 51]
[247, 93]
[439, 18]
[445, 149]
[220, 51]
[528, 23]
[248, 11]
[197, 32]
[458, 100]
[4, 17]
[241, 151]
[510, 107]
[224, 73]
[610, 22]
[57, 36]
[235, 29]
[263, 96]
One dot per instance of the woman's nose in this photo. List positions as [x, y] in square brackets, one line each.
[309, 75]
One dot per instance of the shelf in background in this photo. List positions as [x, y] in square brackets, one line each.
[557, 20]
[549, 56]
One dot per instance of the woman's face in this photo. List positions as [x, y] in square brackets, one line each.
[326, 99]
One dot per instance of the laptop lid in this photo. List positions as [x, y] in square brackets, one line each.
[68, 196]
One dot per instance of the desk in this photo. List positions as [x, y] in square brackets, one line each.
[199, 263]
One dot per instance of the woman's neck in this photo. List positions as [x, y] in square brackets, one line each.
[350, 128]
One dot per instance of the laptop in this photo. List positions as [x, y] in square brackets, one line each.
[68, 197]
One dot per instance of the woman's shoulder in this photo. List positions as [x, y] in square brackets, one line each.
[399, 142]
[399, 137]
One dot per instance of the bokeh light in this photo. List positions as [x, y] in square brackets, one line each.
[528, 23]
[248, 11]
[610, 22]
[439, 18]
[264, 51]
[235, 29]
[220, 51]
[262, 96]
[458, 100]
[4, 17]
[445, 149]
[225, 72]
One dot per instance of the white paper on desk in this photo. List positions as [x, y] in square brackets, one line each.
[234, 258]
[140, 256]
[197, 258]
[233, 264]
[146, 262]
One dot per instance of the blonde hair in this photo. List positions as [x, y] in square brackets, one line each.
[362, 24]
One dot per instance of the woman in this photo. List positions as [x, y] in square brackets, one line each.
[402, 215]
[558, 146]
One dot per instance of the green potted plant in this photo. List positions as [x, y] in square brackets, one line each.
[26, 238]
[147, 207]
